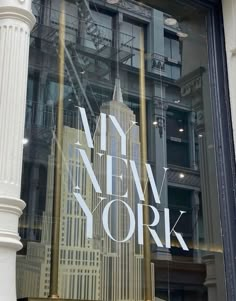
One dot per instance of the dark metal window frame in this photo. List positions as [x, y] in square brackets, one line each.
[224, 144]
[223, 137]
[223, 133]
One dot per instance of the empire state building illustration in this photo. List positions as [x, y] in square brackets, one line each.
[79, 262]
[121, 263]
[99, 268]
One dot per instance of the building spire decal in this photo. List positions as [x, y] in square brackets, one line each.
[117, 94]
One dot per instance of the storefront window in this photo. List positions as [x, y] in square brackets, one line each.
[119, 172]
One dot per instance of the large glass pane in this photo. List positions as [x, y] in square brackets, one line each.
[119, 171]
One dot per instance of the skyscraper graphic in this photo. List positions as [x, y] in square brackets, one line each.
[79, 266]
[121, 262]
[98, 268]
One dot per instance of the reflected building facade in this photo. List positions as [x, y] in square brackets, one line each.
[180, 151]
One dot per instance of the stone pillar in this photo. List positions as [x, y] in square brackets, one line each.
[159, 118]
[155, 43]
[215, 281]
[195, 215]
[16, 20]
[192, 153]
[194, 89]
[210, 282]
[160, 158]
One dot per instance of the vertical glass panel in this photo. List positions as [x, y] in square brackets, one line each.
[119, 171]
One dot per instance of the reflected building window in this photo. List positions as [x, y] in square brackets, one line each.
[102, 51]
[172, 47]
[133, 30]
[177, 138]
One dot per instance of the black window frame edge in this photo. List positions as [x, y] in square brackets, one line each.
[223, 137]
[224, 143]
[223, 134]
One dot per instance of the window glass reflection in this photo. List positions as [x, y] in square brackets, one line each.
[106, 174]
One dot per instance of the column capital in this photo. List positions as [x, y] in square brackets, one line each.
[17, 10]
[200, 125]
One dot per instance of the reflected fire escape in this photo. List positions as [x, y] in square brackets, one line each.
[88, 59]
[88, 55]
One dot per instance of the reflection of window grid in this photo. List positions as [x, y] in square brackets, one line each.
[134, 31]
[104, 21]
[172, 56]
[172, 48]
[177, 142]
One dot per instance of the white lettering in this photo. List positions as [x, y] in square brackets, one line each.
[136, 180]
[86, 128]
[87, 212]
[90, 170]
[154, 223]
[110, 176]
[105, 220]
[153, 184]
[103, 131]
[168, 232]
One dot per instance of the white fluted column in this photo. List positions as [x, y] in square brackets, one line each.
[16, 21]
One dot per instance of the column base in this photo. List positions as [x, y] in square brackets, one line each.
[162, 254]
[10, 211]
[215, 277]
[209, 260]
